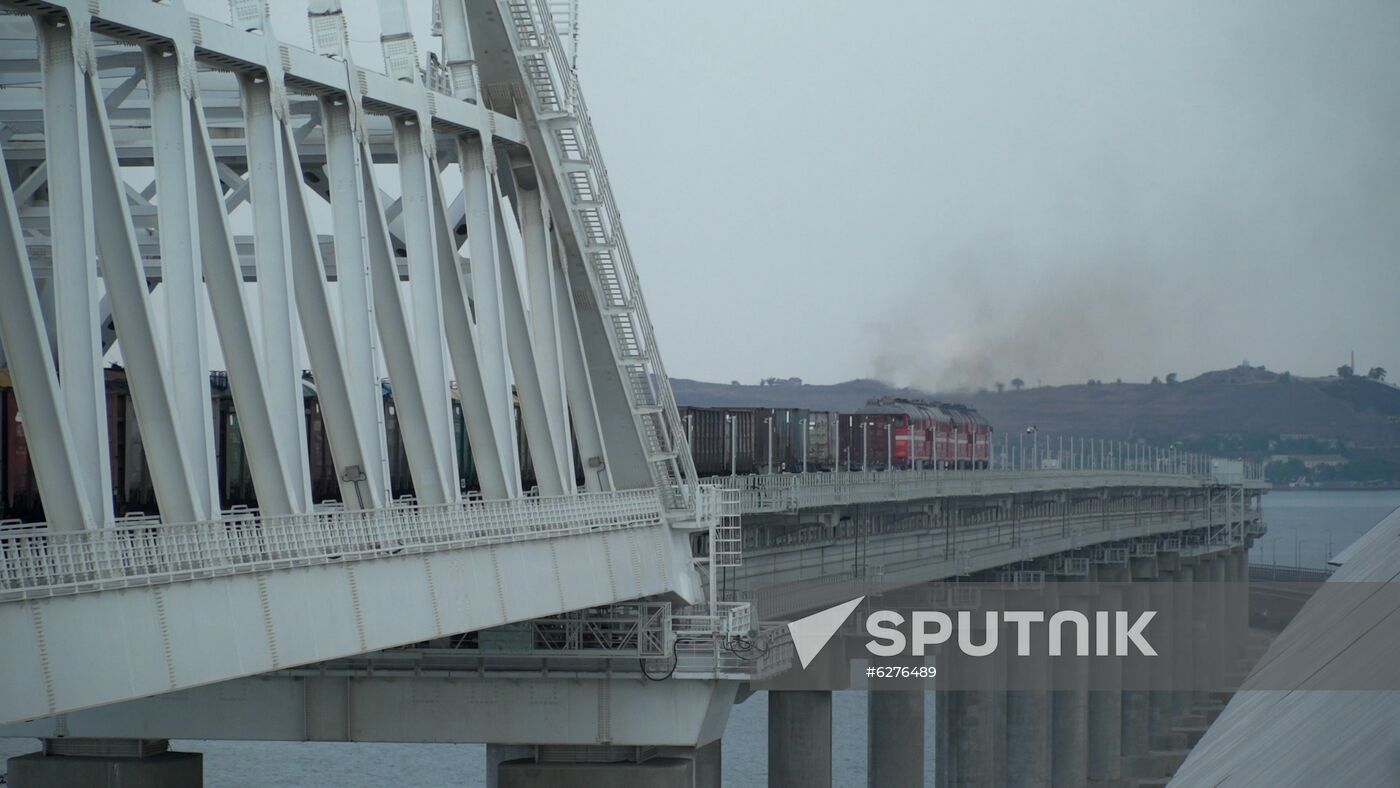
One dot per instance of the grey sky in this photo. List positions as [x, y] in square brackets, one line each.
[956, 193]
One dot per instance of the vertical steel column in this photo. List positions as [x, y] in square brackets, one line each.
[323, 343]
[578, 387]
[74, 277]
[478, 164]
[417, 167]
[143, 352]
[400, 354]
[274, 475]
[541, 422]
[464, 345]
[29, 358]
[273, 251]
[544, 327]
[353, 285]
[169, 77]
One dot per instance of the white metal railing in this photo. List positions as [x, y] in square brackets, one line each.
[788, 491]
[45, 562]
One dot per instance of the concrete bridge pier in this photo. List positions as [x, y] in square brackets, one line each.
[1069, 708]
[111, 763]
[799, 738]
[1237, 579]
[604, 766]
[1161, 698]
[1137, 714]
[1028, 723]
[1205, 627]
[895, 732]
[1184, 675]
[1106, 691]
[976, 720]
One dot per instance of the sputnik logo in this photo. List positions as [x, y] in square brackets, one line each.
[811, 634]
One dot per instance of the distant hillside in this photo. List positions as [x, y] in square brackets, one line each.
[1245, 401]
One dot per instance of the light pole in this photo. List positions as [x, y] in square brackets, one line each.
[768, 424]
[806, 425]
[1329, 545]
[864, 445]
[733, 424]
[1035, 446]
[889, 445]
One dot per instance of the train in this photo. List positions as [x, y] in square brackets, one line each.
[133, 494]
[889, 432]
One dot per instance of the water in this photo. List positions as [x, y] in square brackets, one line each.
[1299, 522]
[1302, 522]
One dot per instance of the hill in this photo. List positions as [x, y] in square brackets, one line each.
[1255, 407]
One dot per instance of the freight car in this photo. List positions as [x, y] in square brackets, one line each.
[721, 440]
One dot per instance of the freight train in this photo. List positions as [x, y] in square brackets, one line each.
[133, 493]
[890, 432]
[886, 433]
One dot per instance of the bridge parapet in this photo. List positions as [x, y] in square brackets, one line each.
[36, 561]
[793, 491]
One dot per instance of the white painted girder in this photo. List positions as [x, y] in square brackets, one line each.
[624, 709]
[65, 653]
[544, 431]
[357, 312]
[30, 359]
[464, 345]
[182, 273]
[477, 163]
[422, 226]
[276, 305]
[75, 286]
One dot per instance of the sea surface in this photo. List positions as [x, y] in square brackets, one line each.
[1301, 525]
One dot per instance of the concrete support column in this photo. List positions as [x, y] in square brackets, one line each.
[1217, 623]
[1239, 596]
[1136, 736]
[896, 738]
[1160, 698]
[111, 763]
[609, 767]
[1184, 675]
[1028, 729]
[976, 723]
[1069, 711]
[1106, 694]
[799, 738]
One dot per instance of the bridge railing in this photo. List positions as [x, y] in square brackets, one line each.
[782, 492]
[37, 562]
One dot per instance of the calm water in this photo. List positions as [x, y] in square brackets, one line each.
[1299, 524]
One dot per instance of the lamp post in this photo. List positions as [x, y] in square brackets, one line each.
[864, 444]
[768, 424]
[806, 425]
[733, 424]
[1035, 446]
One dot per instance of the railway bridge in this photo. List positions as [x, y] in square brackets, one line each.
[185, 192]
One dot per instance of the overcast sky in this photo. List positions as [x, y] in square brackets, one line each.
[953, 193]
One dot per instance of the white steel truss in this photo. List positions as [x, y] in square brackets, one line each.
[181, 193]
[520, 294]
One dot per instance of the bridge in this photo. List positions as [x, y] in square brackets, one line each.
[184, 193]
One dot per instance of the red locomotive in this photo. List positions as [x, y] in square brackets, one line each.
[909, 433]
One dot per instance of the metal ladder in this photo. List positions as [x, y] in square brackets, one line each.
[727, 538]
[562, 116]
